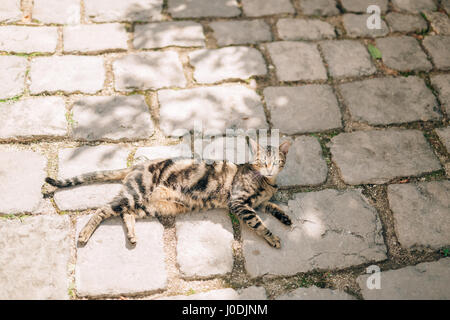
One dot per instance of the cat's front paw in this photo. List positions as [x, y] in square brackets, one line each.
[286, 220]
[274, 241]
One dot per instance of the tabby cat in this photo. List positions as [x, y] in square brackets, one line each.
[172, 186]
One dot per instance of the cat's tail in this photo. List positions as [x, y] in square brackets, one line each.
[91, 177]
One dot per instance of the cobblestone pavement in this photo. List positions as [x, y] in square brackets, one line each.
[98, 84]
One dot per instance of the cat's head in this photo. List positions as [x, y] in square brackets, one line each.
[269, 160]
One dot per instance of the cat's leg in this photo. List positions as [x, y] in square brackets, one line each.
[249, 216]
[119, 205]
[129, 222]
[277, 212]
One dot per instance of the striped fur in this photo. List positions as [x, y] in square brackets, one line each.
[172, 186]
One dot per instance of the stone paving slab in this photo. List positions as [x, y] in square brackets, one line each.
[302, 29]
[309, 108]
[35, 257]
[250, 293]
[204, 242]
[12, 77]
[444, 136]
[119, 10]
[75, 161]
[319, 7]
[200, 8]
[305, 164]
[33, 117]
[442, 85]
[165, 34]
[415, 6]
[95, 37]
[440, 23]
[109, 265]
[57, 11]
[315, 293]
[356, 26]
[148, 70]
[421, 213]
[23, 174]
[240, 32]
[67, 73]
[296, 61]
[347, 58]
[215, 108]
[163, 152]
[390, 100]
[257, 8]
[112, 117]
[438, 47]
[400, 22]
[10, 11]
[379, 156]
[360, 6]
[403, 54]
[28, 39]
[214, 65]
[425, 281]
[331, 229]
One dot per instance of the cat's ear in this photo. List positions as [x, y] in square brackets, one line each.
[255, 147]
[284, 147]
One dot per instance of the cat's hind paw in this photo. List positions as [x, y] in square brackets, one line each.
[274, 241]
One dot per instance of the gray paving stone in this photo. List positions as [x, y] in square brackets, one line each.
[301, 29]
[356, 26]
[403, 53]
[347, 58]
[57, 11]
[148, 70]
[315, 293]
[256, 8]
[67, 73]
[438, 47]
[204, 242]
[296, 61]
[75, 161]
[427, 280]
[112, 118]
[28, 39]
[163, 152]
[399, 22]
[232, 149]
[165, 34]
[442, 85]
[12, 77]
[415, 6]
[23, 174]
[10, 11]
[240, 32]
[200, 8]
[34, 257]
[119, 10]
[215, 108]
[332, 230]
[421, 213]
[107, 265]
[213, 65]
[360, 6]
[381, 155]
[444, 135]
[33, 117]
[305, 164]
[95, 37]
[309, 108]
[319, 7]
[440, 22]
[390, 100]
[250, 293]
